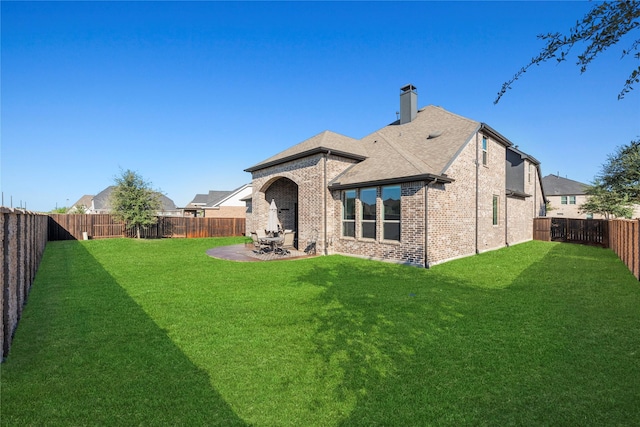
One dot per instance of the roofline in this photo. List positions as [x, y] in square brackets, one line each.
[423, 177]
[515, 193]
[317, 150]
[525, 155]
[230, 195]
[495, 134]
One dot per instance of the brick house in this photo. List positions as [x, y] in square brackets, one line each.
[565, 197]
[220, 204]
[430, 187]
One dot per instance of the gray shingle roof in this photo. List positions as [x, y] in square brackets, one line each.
[102, 200]
[323, 142]
[554, 185]
[422, 148]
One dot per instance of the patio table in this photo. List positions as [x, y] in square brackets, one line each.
[273, 242]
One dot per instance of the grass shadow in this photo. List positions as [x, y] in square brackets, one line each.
[77, 360]
[502, 347]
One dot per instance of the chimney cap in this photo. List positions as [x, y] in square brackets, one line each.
[408, 88]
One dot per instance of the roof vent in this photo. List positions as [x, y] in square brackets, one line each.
[434, 134]
[408, 103]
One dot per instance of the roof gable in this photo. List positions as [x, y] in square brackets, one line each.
[321, 143]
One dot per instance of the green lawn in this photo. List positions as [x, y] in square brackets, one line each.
[126, 332]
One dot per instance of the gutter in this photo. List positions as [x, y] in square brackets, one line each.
[424, 177]
[317, 150]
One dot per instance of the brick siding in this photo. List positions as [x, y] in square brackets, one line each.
[454, 227]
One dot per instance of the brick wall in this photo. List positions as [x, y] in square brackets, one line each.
[300, 182]
[455, 228]
[452, 210]
[226, 212]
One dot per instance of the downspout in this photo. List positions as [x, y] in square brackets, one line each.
[477, 191]
[506, 219]
[324, 219]
[426, 222]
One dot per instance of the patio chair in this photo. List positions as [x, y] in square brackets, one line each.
[260, 246]
[287, 243]
[261, 234]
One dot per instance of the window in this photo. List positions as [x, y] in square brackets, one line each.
[563, 200]
[484, 150]
[495, 210]
[529, 173]
[391, 213]
[349, 213]
[572, 200]
[368, 213]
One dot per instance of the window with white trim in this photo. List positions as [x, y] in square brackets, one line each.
[368, 213]
[496, 206]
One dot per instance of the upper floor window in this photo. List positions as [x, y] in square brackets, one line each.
[529, 173]
[484, 151]
[563, 200]
[391, 213]
[368, 213]
[572, 200]
[349, 213]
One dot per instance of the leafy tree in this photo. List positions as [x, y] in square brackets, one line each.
[602, 201]
[134, 202]
[617, 187]
[602, 27]
[621, 173]
[78, 209]
[62, 210]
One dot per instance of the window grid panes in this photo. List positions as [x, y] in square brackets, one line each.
[349, 213]
[563, 200]
[495, 210]
[572, 200]
[391, 213]
[368, 213]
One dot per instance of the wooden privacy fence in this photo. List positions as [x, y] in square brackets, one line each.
[23, 237]
[624, 240]
[621, 235]
[102, 226]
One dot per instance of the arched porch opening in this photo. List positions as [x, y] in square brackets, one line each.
[285, 193]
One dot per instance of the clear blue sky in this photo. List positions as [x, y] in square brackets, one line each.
[190, 94]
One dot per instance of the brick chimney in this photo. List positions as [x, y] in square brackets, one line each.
[408, 103]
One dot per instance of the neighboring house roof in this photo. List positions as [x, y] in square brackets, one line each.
[555, 185]
[102, 201]
[84, 201]
[214, 198]
[424, 148]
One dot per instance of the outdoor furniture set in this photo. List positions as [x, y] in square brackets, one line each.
[278, 243]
